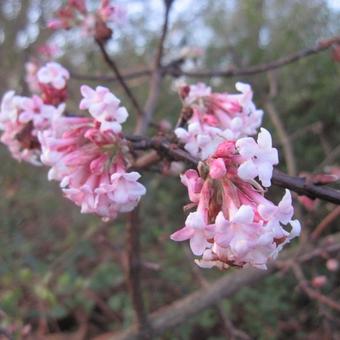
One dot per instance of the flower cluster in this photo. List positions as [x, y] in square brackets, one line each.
[22, 118]
[52, 79]
[43, 53]
[88, 156]
[234, 224]
[216, 117]
[75, 14]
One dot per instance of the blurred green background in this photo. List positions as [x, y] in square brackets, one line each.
[60, 269]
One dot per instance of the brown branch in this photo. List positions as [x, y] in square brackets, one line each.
[231, 332]
[133, 274]
[325, 222]
[233, 72]
[312, 293]
[274, 116]
[156, 77]
[173, 68]
[110, 62]
[228, 285]
[299, 185]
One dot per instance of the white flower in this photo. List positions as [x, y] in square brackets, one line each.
[53, 74]
[10, 105]
[124, 190]
[197, 230]
[257, 158]
[282, 213]
[104, 107]
[200, 140]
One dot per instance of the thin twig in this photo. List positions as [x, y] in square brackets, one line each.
[231, 331]
[288, 151]
[110, 62]
[312, 293]
[299, 185]
[323, 45]
[133, 273]
[233, 72]
[156, 77]
[325, 222]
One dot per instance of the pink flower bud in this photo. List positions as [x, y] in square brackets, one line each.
[165, 125]
[319, 281]
[217, 168]
[332, 265]
[225, 149]
[309, 203]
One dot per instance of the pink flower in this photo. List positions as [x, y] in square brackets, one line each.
[216, 117]
[197, 230]
[124, 190]
[234, 224]
[68, 15]
[193, 183]
[109, 12]
[95, 23]
[332, 265]
[282, 213]
[52, 79]
[200, 140]
[195, 92]
[33, 109]
[21, 119]
[53, 74]
[217, 168]
[104, 107]
[319, 281]
[10, 105]
[309, 203]
[258, 158]
[90, 165]
[55, 24]
[78, 4]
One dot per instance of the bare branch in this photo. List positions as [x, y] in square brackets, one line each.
[110, 62]
[299, 185]
[156, 77]
[325, 222]
[312, 293]
[133, 274]
[231, 332]
[233, 72]
[228, 285]
[173, 68]
[274, 116]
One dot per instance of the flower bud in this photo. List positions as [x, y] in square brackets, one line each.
[217, 168]
[332, 265]
[319, 281]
